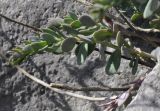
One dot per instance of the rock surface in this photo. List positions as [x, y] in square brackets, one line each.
[18, 93]
[148, 97]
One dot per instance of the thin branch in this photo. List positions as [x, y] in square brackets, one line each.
[150, 64]
[20, 23]
[117, 101]
[92, 88]
[149, 35]
[58, 87]
[58, 90]
[125, 19]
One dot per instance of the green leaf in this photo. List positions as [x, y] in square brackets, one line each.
[54, 22]
[155, 23]
[76, 24]
[18, 50]
[136, 16]
[17, 58]
[68, 44]
[113, 62]
[50, 39]
[101, 35]
[73, 16]
[97, 12]
[86, 20]
[119, 39]
[91, 47]
[55, 48]
[89, 30]
[69, 29]
[151, 7]
[38, 45]
[131, 62]
[81, 52]
[68, 20]
[28, 49]
[135, 66]
[50, 31]
[85, 38]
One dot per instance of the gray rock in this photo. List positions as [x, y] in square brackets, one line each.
[148, 97]
[18, 93]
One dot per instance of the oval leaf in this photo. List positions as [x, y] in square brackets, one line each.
[38, 45]
[68, 20]
[76, 24]
[86, 20]
[56, 22]
[135, 66]
[151, 7]
[119, 39]
[81, 53]
[49, 38]
[89, 30]
[73, 15]
[68, 44]
[50, 31]
[56, 49]
[113, 62]
[27, 50]
[70, 30]
[101, 35]
[137, 16]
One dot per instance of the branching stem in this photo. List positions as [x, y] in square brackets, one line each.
[58, 90]
[96, 49]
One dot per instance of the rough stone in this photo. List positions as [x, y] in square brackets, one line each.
[18, 93]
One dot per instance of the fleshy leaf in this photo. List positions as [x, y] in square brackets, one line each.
[73, 16]
[119, 39]
[76, 24]
[89, 30]
[56, 22]
[28, 49]
[81, 53]
[137, 17]
[135, 66]
[49, 38]
[86, 20]
[68, 44]
[101, 35]
[151, 7]
[68, 20]
[70, 30]
[55, 48]
[38, 45]
[50, 31]
[113, 62]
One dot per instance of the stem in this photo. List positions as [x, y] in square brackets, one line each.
[125, 19]
[58, 90]
[92, 88]
[140, 53]
[20, 23]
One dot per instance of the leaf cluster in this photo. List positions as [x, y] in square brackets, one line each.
[82, 34]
